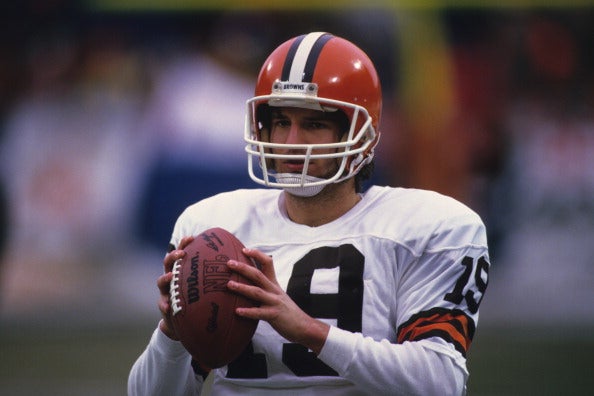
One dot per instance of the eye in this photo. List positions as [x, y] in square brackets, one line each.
[316, 125]
[280, 122]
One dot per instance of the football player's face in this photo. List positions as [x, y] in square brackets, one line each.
[304, 126]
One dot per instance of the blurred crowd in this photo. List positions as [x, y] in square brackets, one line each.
[111, 123]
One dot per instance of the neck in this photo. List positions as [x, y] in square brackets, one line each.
[330, 204]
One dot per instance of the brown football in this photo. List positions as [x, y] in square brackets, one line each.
[204, 315]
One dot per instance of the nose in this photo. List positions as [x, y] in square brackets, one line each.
[294, 135]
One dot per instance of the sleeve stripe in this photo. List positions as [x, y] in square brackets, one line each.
[454, 326]
[443, 335]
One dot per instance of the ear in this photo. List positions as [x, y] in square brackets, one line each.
[264, 135]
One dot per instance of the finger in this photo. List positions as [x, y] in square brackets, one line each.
[252, 292]
[163, 283]
[252, 273]
[256, 313]
[185, 242]
[165, 324]
[171, 258]
[174, 255]
[164, 305]
[265, 261]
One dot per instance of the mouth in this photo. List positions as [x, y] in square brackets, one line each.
[293, 166]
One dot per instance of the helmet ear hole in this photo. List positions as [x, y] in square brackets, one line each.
[357, 160]
[344, 123]
[360, 160]
[263, 117]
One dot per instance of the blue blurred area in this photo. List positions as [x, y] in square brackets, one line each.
[171, 188]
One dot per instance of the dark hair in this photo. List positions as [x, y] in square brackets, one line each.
[363, 175]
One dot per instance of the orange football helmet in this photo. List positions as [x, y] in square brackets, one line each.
[322, 72]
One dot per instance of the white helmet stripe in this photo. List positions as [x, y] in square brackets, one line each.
[303, 60]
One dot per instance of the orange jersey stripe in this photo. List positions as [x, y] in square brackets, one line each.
[454, 326]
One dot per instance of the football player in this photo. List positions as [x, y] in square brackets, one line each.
[360, 292]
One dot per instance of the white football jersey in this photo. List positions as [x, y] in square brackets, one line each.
[399, 277]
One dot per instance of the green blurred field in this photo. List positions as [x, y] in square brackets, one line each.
[95, 361]
[532, 362]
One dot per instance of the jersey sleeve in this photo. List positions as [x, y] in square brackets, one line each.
[440, 287]
[439, 294]
[384, 368]
[164, 368]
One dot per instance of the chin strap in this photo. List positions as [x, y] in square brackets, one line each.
[300, 191]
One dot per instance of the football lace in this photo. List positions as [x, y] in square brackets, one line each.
[174, 287]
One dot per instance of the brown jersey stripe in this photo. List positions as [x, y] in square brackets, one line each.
[454, 326]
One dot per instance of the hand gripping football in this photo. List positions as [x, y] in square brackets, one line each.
[203, 314]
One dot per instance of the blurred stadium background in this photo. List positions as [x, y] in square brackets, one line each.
[114, 115]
